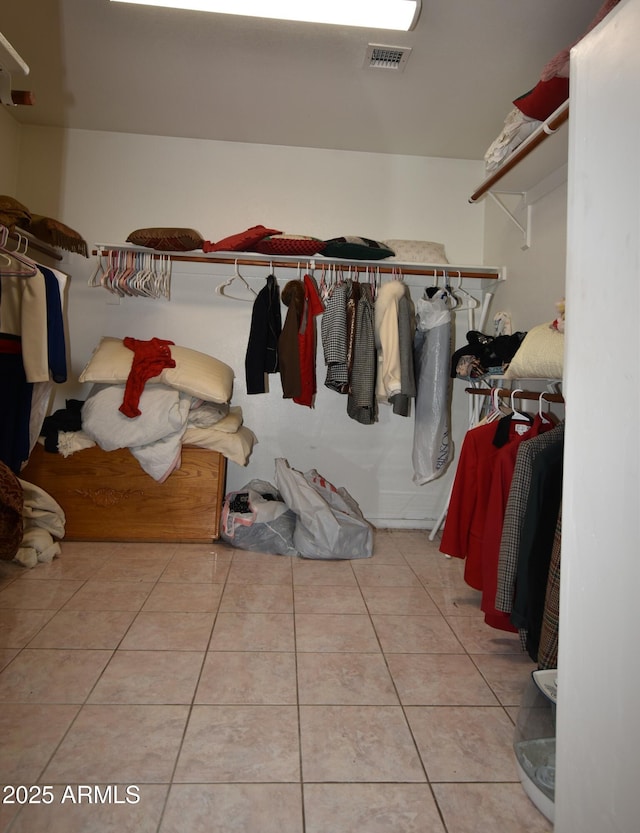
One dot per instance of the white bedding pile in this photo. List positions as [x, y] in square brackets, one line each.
[169, 419]
[517, 128]
[187, 404]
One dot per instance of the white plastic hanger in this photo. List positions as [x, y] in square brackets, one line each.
[220, 289]
[495, 410]
[15, 264]
[542, 415]
[517, 416]
[466, 302]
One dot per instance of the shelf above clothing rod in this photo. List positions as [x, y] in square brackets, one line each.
[493, 183]
[34, 244]
[317, 262]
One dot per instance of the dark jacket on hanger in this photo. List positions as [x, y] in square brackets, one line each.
[538, 531]
[289, 354]
[266, 325]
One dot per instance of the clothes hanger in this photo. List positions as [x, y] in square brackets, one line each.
[376, 282]
[136, 281]
[517, 416]
[324, 284]
[451, 297]
[220, 289]
[430, 291]
[164, 286]
[468, 303]
[494, 411]
[96, 278]
[442, 292]
[544, 417]
[15, 264]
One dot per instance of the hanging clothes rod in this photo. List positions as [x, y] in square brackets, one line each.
[505, 393]
[291, 262]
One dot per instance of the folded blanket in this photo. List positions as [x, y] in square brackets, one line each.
[154, 438]
[44, 524]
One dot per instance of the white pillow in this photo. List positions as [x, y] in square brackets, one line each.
[229, 423]
[195, 373]
[540, 356]
[416, 251]
[236, 447]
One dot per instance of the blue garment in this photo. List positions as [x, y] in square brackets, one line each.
[56, 345]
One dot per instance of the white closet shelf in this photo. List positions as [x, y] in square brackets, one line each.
[33, 244]
[386, 266]
[523, 169]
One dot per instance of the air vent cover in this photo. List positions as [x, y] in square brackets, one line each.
[379, 56]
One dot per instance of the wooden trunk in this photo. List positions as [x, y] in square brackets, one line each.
[106, 495]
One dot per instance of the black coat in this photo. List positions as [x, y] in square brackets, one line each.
[266, 325]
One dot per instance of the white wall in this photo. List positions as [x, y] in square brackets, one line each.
[105, 185]
[9, 153]
[535, 276]
[599, 675]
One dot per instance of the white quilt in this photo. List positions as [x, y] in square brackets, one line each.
[168, 420]
[154, 438]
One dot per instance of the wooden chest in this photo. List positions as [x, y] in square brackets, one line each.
[106, 496]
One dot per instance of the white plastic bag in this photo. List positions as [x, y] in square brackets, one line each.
[329, 523]
[256, 518]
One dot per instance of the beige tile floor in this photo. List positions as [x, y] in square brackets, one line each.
[199, 689]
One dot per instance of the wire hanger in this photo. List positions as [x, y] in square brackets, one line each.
[14, 264]
[220, 289]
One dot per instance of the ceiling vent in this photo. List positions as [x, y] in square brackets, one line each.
[379, 56]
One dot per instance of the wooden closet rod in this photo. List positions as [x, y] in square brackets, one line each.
[291, 262]
[505, 393]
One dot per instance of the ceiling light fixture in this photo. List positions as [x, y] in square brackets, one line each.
[370, 14]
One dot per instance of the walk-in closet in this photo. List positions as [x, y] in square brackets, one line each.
[318, 480]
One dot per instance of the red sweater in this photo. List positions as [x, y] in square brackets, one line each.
[150, 358]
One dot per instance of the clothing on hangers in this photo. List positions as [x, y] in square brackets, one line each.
[538, 530]
[333, 328]
[471, 500]
[499, 488]
[432, 450]
[401, 402]
[549, 629]
[394, 368]
[313, 307]
[297, 342]
[515, 512]
[32, 350]
[261, 357]
[361, 399]
[16, 395]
